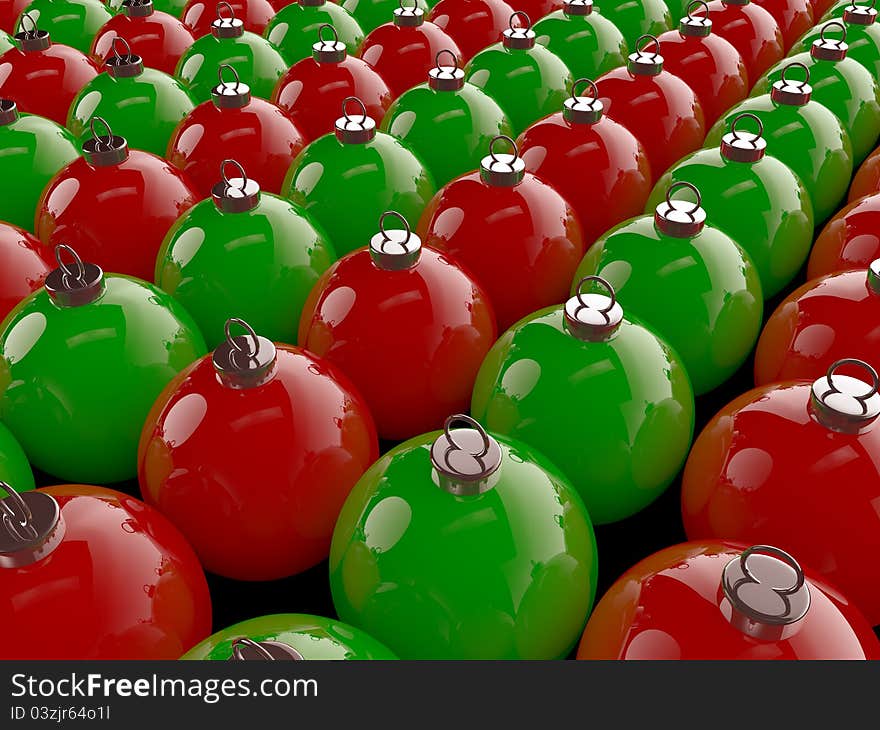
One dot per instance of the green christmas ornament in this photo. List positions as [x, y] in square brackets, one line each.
[6, 42]
[81, 362]
[754, 198]
[583, 373]
[804, 135]
[370, 14]
[172, 7]
[687, 281]
[141, 104]
[14, 468]
[459, 544]
[71, 22]
[289, 636]
[253, 57]
[862, 37]
[292, 31]
[838, 9]
[635, 18]
[245, 253]
[528, 81]
[32, 151]
[588, 43]
[447, 122]
[839, 83]
[342, 179]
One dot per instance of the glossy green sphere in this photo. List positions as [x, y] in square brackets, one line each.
[590, 45]
[259, 265]
[313, 637]
[76, 383]
[634, 18]
[172, 7]
[14, 467]
[370, 14]
[449, 130]
[145, 109]
[506, 574]
[294, 29]
[863, 44]
[627, 398]
[839, 8]
[701, 294]
[345, 187]
[258, 63]
[6, 42]
[71, 22]
[33, 150]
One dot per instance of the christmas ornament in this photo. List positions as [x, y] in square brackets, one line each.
[90, 573]
[126, 95]
[172, 7]
[312, 90]
[686, 280]
[867, 178]
[747, 477]
[837, 8]
[738, 176]
[402, 52]
[554, 366]
[370, 14]
[660, 109]
[592, 161]
[448, 109]
[9, 14]
[398, 307]
[839, 83]
[42, 77]
[70, 22]
[711, 66]
[505, 225]
[862, 37]
[794, 17]
[201, 15]
[472, 24]
[362, 170]
[114, 205]
[158, 38]
[7, 43]
[464, 545]
[228, 43]
[34, 149]
[751, 30]
[716, 600]
[637, 18]
[234, 124]
[585, 41]
[803, 134]
[292, 30]
[288, 438]
[14, 467]
[24, 267]
[851, 240]
[526, 79]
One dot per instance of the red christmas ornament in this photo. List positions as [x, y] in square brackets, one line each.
[10, 10]
[592, 161]
[850, 240]
[96, 574]
[711, 66]
[238, 126]
[114, 205]
[158, 38]
[752, 31]
[42, 77]
[472, 24]
[254, 14]
[867, 178]
[719, 600]
[313, 89]
[402, 52]
[25, 265]
[397, 307]
[764, 470]
[660, 109]
[537, 9]
[252, 451]
[794, 17]
[519, 238]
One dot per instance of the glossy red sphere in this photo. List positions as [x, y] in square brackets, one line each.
[10, 11]
[472, 24]
[122, 584]
[794, 17]
[765, 471]
[668, 606]
[412, 341]
[159, 39]
[402, 56]
[259, 136]
[114, 216]
[712, 68]
[867, 178]
[600, 169]
[45, 82]
[523, 244]
[662, 112]
[752, 31]
[25, 264]
[826, 320]
[537, 9]
[311, 93]
[255, 478]
[254, 14]
[850, 240]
